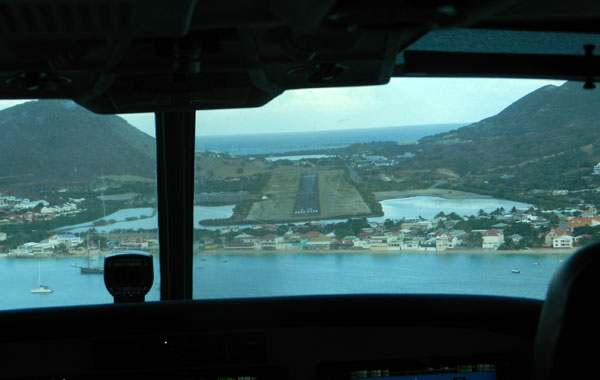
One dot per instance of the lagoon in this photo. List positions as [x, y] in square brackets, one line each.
[428, 207]
[147, 219]
[413, 207]
[298, 157]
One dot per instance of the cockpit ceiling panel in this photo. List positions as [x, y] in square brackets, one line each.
[143, 56]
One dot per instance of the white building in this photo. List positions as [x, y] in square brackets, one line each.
[379, 242]
[32, 249]
[59, 209]
[26, 204]
[69, 240]
[596, 169]
[267, 242]
[445, 240]
[492, 239]
[563, 241]
[362, 243]
[245, 238]
[319, 243]
[414, 243]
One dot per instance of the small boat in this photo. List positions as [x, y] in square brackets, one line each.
[42, 289]
[91, 270]
[516, 271]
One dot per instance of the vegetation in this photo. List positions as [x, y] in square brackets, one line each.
[53, 143]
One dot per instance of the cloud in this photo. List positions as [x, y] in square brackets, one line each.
[403, 101]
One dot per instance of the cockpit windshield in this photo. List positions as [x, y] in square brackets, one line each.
[74, 187]
[452, 186]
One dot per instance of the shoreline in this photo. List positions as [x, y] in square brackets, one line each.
[96, 254]
[471, 251]
[431, 251]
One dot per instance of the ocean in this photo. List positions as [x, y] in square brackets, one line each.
[268, 143]
[226, 275]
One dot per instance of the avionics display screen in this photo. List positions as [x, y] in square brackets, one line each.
[480, 371]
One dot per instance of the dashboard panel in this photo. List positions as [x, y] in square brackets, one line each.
[324, 337]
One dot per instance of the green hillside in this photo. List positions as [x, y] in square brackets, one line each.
[549, 123]
[58, 141]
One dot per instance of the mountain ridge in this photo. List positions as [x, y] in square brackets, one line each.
[548, 121]
[59, 141]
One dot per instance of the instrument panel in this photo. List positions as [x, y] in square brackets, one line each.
[291, 338]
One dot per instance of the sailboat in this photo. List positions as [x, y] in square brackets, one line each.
[90, 269]
[100, 268]
[42, 289]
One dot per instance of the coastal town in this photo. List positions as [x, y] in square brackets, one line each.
[502, 230]
[555, 229]
[499, 230]
[23, 213]
[22, 210]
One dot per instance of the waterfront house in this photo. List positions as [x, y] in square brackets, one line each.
[238, 244]
[268, 242]
[445, 240]
[554, 233]
[319, 243]
[492, 239]
[342, 244]
[362, 243]
[379, 242]
[414, 243]
[32, 249]
[68, 240]
[394, 242]
[564, 241]
[245, 238]
[289, 244]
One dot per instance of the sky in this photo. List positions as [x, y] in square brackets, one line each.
[403, 101]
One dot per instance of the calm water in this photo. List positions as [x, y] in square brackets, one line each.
[298, 158]
[148, 219]
[262, 275]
